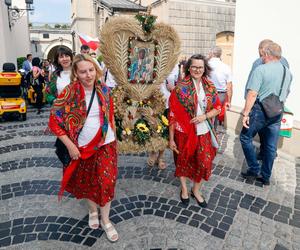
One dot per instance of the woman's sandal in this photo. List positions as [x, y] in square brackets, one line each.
[162, 164]
[111, 232]
[93, 220]
[151, 161]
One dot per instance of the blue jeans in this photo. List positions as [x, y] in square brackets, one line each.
[269, 128]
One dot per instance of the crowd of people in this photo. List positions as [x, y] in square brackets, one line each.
[198, 92]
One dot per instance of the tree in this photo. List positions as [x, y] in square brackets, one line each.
[20, 61]
[57, 26]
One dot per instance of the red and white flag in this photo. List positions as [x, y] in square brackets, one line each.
[93, 43]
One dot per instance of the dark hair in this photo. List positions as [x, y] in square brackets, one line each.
[28, 55]
[36, 62]
[84, 47]
[59, 52]
[207, 68]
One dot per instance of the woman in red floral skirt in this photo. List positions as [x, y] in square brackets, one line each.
[193, 104]
[82, 119]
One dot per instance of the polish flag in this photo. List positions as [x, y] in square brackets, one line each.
[93, 43]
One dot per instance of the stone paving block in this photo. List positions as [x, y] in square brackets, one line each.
[238, 212]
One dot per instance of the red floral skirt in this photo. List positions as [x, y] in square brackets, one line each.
[95, 178]
[198, 166]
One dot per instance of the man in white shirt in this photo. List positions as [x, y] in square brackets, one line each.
[222, 79]
[109, 79]
[169, 84]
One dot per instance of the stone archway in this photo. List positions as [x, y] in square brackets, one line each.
[52, 52]
[51, 49]
[225, 41]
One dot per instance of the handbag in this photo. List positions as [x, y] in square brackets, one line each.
[271, 104]
[62, 151]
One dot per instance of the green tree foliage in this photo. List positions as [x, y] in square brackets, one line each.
[20, 61]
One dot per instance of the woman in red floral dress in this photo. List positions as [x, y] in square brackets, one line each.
[90, 139]
[193, 103]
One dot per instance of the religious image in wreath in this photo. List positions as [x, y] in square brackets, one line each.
[140, 54]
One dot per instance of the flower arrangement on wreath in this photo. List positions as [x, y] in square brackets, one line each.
[141, 132]
[138, 121]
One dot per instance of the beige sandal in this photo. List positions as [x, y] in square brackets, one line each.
[111, 232]
[162, 164]
[93, 220]
[151, 161]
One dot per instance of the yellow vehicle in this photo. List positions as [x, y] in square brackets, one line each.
[11, 101]
[32, 95]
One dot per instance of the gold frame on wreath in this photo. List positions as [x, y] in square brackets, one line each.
[139, 105]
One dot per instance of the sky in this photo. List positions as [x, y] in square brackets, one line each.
[51, 11]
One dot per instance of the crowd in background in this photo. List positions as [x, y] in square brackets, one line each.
[198, 92]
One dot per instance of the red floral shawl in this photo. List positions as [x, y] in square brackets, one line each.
[69, 111]
[183, 107]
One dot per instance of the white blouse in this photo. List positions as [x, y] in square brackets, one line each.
[62, 81]
[92, 123]
[201, 107]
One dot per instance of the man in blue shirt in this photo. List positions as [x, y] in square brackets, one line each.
[27, 65]
[259, 60]
[265, 80]
[255, 64]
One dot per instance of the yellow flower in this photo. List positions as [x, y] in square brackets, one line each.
[159, 129]
[142, 127]
[128, 131]
[165, 120]
[141, 103]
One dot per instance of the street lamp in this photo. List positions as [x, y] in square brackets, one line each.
[73, 41]
[14, 13]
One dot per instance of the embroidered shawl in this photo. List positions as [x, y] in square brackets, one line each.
[69, 111]
[183, 107]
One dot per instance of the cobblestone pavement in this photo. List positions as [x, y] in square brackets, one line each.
[147, 210]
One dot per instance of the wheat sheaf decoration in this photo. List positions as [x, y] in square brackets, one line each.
[140, 54]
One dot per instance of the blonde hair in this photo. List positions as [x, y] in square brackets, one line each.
[84, 57]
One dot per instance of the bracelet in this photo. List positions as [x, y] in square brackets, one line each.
[245, 115]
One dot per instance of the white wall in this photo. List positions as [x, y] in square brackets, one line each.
[15, 42]
[20, 31]
[257, 20]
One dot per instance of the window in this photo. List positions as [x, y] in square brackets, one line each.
[46, 35]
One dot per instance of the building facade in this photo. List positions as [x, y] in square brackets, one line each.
[14, 33]
[88, 16]
[45, 41]
[200, 24]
